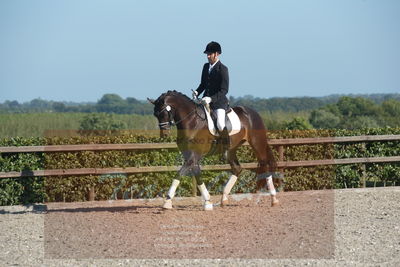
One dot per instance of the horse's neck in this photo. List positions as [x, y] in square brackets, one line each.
[185, 113]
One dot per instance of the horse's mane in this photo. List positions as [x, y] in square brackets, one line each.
[174, 94]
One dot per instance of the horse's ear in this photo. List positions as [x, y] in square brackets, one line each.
[152, 101]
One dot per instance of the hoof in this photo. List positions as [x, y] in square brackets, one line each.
[274, 202]
[208, 205]
[167, 204]
[224, 200]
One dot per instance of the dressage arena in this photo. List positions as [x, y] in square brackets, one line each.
[321, 228]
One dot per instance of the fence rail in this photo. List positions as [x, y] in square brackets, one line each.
[149, 146]
[279, 143]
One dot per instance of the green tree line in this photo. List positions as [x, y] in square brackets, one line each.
[113, 103]
[356, 113]
[109, 103]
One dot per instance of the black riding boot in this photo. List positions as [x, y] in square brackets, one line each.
[225, 141]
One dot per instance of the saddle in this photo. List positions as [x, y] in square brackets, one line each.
[232, 122]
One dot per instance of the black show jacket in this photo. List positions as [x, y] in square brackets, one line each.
[215, 85]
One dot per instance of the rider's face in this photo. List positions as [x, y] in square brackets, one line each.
[212, 57]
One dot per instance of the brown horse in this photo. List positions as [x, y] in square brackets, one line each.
[194, 140]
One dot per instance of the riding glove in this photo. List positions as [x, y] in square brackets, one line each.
[206, 99]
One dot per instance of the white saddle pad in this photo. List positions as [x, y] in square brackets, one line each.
[233, 127]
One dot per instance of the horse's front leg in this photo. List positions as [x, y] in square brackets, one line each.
[175, 183]
[170, 195]
[196, 172]
[190, 168]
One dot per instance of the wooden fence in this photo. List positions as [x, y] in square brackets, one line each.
[279, 144]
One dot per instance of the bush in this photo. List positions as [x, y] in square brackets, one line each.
[100, 124]
[298, 123]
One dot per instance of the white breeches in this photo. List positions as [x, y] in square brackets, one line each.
[220, 118]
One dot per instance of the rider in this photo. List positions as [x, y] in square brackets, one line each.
[215, 84]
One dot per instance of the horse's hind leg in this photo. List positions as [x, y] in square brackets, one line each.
[236, 170]
[260, 146]
[270, 186]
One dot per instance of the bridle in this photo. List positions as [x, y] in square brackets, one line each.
[167, 124]
[171, 122]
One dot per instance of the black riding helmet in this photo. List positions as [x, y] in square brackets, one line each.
[213, 47]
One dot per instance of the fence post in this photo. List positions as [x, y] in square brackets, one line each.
[92, 193]
[281, 169]
[364, 166]
[363, 176]
[194, 186]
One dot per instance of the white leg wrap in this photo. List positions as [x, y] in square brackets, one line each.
[270, 186]
[231, 182]
[172, 189]
[204, 192]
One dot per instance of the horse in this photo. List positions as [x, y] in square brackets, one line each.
[194, 140]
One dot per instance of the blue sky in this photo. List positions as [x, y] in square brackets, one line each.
[78, 50]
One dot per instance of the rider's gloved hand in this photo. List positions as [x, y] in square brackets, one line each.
[206, 99]
[194, 94]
